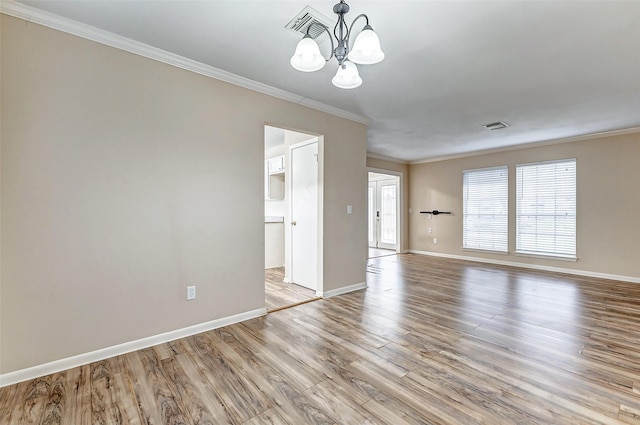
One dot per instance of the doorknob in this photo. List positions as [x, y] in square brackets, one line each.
[293, 223]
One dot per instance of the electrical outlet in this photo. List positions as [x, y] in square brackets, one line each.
[435, 240]
[430, 230]
[191, 293]
[349, 209]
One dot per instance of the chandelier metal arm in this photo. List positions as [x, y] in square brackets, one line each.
[342, 49]
[342, 32]
[340, 25]
[362, 15]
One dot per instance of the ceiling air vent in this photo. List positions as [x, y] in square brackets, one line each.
[496, 125]
[308, 16]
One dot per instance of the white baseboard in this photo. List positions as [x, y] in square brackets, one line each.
[586, 273]
[127, 347]
[343, 290]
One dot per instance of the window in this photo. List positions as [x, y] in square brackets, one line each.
[485, 209]
[546, 208]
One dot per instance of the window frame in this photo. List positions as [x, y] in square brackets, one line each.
[562, 242]
[495, 245]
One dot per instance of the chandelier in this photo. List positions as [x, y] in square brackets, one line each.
[365, 51]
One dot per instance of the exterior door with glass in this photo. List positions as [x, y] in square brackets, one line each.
[383, 218]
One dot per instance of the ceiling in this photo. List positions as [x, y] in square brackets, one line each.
[551, 69]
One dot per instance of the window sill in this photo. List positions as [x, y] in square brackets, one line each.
[486, 251]
[547, 257]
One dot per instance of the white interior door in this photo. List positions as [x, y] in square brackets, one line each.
[304, 215]
[383, 213]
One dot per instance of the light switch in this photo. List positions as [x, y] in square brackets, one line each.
[349, 209]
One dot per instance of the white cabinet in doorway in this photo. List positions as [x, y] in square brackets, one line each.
[274, 178]
[276, 165]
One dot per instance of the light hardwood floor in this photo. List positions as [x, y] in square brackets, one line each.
[380, 252]
[431, 341]
[279, 294]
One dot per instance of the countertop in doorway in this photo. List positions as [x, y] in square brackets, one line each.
[273, 219]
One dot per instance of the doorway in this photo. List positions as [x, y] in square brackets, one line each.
[292, 219]
[383, 212]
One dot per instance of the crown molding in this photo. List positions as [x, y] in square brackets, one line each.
[387, 158]
[335, 111]
[69, 26]
[579, 138]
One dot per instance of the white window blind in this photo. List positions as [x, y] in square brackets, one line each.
[485, 209]
[546, 208]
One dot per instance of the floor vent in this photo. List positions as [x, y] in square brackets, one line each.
[307, 17]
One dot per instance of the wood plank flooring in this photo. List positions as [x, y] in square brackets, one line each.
[431, 341]
[380, 252]
[279, 294]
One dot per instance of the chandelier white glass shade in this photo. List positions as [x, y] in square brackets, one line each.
[347, 76]
[366, 50]
[307, 57]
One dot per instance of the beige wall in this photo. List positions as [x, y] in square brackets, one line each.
[124, 180]
[402, 169]
[608, 207]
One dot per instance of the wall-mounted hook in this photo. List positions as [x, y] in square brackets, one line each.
[435, 212]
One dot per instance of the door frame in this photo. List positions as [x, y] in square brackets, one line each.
[287, 214]
[400, 203]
